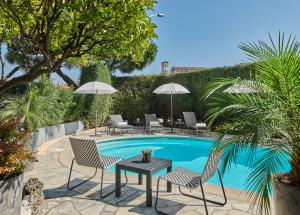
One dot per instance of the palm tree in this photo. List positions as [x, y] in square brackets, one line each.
[264, 123]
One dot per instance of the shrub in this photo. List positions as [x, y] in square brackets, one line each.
[43, 104]
[14, 155]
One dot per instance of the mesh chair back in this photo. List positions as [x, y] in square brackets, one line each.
[115, 119]
[189, 118]
[211, 165]
[86, 153]
[150, 118]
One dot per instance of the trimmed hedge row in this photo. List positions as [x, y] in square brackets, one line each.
[135, 97]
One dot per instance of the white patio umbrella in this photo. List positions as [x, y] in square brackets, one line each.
[171, 89]
[95, 88]
[244, 86]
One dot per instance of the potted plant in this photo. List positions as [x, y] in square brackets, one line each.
[261, 118]
[14, 156]
[147, 155]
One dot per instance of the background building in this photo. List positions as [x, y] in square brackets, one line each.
[178, 69]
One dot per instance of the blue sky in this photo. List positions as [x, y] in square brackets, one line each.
[207, 33]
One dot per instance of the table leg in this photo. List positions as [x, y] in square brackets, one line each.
[169, 185]
[140, 179]
[118, 181]
[149, 190]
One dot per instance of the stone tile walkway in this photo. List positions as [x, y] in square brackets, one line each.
[53, 168]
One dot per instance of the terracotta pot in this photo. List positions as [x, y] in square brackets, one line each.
[11, 195]
[286, 198]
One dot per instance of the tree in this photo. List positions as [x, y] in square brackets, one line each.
[44, 35]
[128, 65]
[253, 119]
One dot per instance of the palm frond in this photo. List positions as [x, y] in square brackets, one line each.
[247, 122]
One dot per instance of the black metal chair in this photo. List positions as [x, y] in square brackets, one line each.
[86, 154]
[186, 178]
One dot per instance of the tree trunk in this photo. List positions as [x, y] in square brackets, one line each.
[67, 79]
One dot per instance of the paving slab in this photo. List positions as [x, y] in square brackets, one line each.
[53, 169]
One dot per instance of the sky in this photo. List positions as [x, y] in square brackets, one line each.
[207, 33]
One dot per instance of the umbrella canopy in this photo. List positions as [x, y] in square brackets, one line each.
[96, 88]
[245, 86]
[171, 89]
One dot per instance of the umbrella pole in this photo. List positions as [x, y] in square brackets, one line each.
[96, 115]
[96, 123]
[172, 124]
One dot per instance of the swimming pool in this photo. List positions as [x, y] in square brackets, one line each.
[189, 152]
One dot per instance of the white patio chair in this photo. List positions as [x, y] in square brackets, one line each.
[192, 180]
[190, 121]
[86, 154]
[118, 122]
[152, 123]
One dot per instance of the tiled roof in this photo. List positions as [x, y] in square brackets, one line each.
[186, 69]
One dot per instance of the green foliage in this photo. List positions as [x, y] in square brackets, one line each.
[43, 104]
[14, 154]
[86, 105]
[135, 98]
[254, 119]
[127, 65]
[43, 35]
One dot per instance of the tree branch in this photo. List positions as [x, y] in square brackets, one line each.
[12, 72]
[67, 79]
[1, 61]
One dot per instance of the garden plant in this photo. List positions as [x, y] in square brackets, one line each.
[264, 123]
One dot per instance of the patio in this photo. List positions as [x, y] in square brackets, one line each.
[53, 167]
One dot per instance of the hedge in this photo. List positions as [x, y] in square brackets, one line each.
[86, 105]
[135, 98]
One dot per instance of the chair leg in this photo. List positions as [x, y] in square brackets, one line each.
[155, 207]
[101, 186]
[207, 200]
[69, 178]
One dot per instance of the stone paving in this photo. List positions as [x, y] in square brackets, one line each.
[52, 169]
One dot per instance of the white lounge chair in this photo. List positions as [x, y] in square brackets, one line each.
[190, 121]
[118, 122]
[192, 180]
[86, 154]
[152, 123]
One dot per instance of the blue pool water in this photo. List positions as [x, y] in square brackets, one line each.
[188, 152]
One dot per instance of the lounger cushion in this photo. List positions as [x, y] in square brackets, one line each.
[154, 123]
[122, 123]
[183, 177]
[201, 125]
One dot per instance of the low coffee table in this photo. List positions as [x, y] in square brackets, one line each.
[135, 164]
